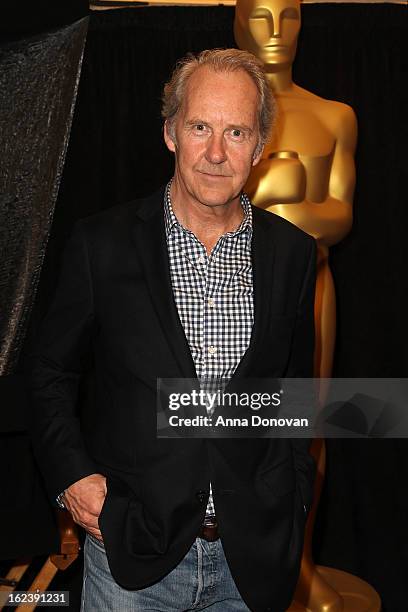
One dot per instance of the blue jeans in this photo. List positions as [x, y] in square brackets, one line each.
[202, 580]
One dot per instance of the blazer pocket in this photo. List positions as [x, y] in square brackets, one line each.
[280, 479]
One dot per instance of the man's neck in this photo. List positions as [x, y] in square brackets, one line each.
[207, 223]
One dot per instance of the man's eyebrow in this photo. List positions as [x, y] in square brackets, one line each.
[196, 121]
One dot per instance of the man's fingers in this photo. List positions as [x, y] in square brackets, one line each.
[90, 506]
[94, 531]
[85, 519]
[96, 534]
[81, 511]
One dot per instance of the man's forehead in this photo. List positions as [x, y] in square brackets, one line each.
[208, 88]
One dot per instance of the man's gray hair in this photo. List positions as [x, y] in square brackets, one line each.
[220, 60]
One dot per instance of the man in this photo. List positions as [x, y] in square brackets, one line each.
[190, 282]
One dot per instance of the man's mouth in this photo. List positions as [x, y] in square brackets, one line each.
[214, 175]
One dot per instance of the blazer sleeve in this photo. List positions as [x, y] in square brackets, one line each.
[55, 368]
[301, 366]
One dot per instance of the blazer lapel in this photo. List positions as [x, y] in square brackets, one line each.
[263, 258]
[150, 241]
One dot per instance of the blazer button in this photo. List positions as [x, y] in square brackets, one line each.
[201, 495]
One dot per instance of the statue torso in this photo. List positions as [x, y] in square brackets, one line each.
[306, 125]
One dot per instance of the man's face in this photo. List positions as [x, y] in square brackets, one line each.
[269, 29]
[215, 137]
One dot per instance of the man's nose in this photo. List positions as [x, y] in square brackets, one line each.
[215, 152]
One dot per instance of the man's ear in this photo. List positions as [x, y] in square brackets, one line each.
[257, 154]
[168, 138]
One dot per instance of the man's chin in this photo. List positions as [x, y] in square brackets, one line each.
[215, 198]
[207, 192]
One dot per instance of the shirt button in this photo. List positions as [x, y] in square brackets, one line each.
[201, 260]
[212, 349]
[211, 302]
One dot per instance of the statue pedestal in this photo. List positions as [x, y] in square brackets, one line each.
[356, 595]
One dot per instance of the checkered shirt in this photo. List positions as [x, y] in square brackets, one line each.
[213, 295]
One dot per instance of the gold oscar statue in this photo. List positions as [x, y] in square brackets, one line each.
[306, 175]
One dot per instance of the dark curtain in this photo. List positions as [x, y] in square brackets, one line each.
[353, 53]
[38, 84]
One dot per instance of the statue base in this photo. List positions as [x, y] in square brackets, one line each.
[355, 594]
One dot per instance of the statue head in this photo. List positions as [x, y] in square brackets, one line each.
[269, 29]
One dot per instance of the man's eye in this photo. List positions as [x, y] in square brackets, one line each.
[200, 127]
[237, 134]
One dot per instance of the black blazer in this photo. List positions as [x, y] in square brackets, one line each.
[114, 311]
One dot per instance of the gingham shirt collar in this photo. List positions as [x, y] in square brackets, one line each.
[170, 219]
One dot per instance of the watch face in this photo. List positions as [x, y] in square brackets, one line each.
[60, 501]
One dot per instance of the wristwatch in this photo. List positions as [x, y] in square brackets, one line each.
[59, 500]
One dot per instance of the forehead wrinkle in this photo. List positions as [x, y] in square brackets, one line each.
[214, 109]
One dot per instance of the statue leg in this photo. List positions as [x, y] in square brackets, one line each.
[325, 318]
[313, 592]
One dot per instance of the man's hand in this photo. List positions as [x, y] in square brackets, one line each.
[84, 500]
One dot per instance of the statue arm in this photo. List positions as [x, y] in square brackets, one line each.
[328, 221]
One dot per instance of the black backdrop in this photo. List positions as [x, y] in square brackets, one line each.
[353, 53]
